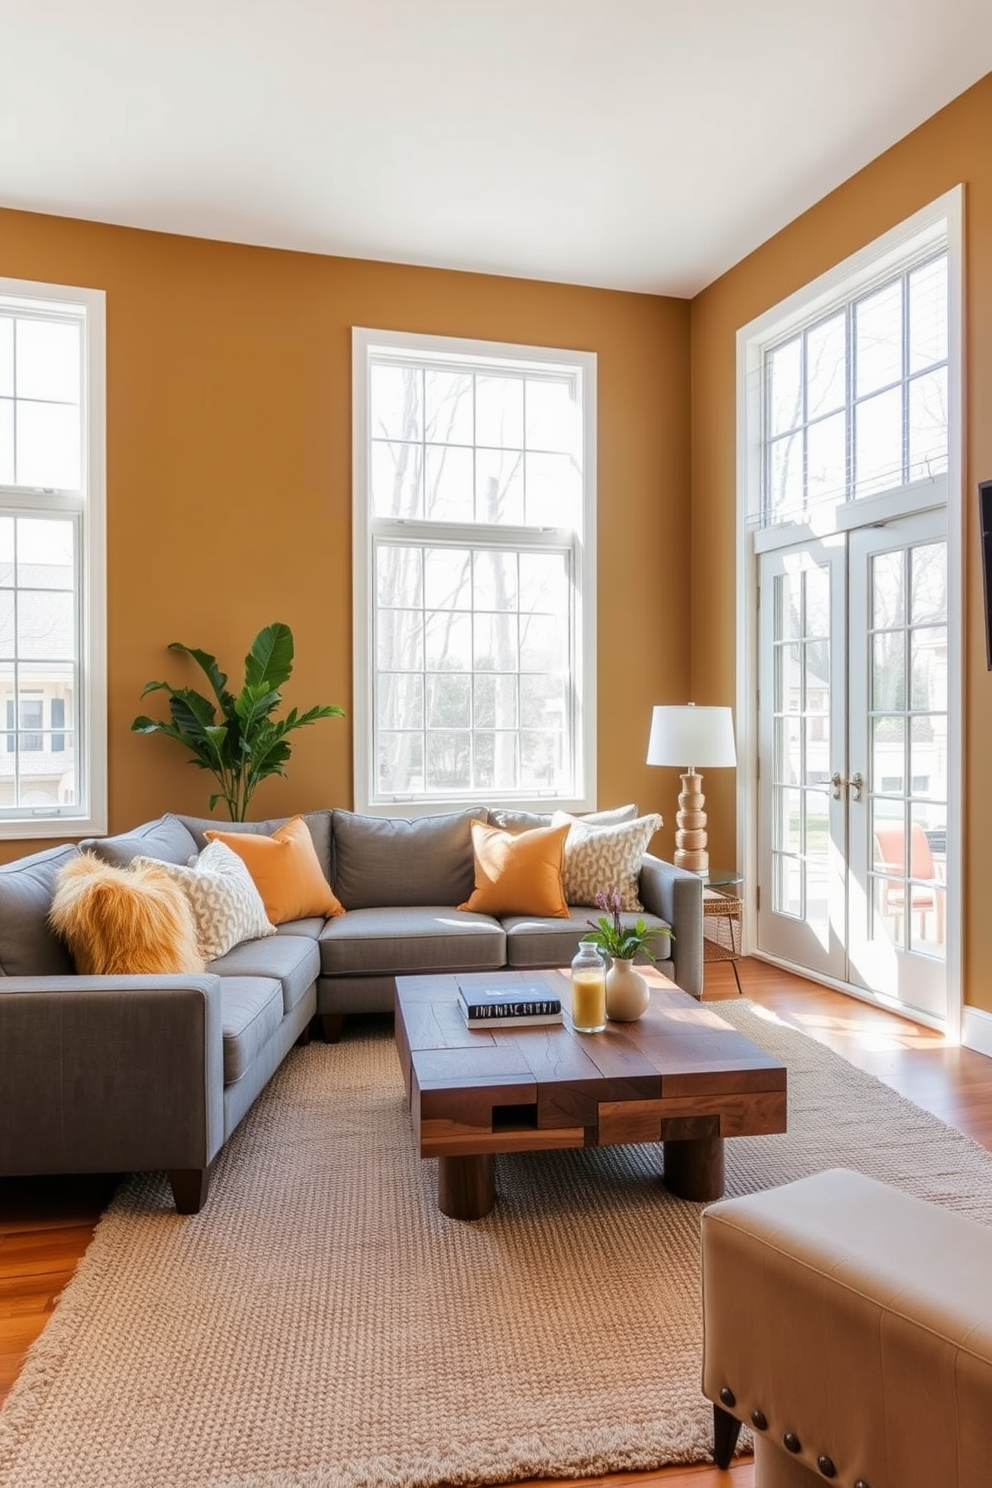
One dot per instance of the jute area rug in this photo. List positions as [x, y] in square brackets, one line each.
[321, 1325]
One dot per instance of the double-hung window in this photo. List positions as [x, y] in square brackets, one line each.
[52, 585]
[474, 573]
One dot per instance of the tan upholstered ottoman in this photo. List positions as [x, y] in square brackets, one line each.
[850, 1326]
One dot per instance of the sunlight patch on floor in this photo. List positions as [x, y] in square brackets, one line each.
[865, 1033]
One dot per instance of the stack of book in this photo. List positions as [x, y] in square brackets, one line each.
[508, 1006]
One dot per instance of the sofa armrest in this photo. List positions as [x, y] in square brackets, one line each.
[110, 1073]
[676, 895]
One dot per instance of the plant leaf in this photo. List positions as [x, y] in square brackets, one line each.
[191, 710]
[254, 702]
[269, 663]
[270, 752]
[323, 710]
[208, 665]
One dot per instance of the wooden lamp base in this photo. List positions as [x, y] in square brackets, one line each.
[690, 826]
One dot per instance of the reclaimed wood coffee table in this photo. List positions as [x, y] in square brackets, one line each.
[680, 1075]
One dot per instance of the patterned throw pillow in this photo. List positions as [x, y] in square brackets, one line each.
[226, 905]
[600, 858]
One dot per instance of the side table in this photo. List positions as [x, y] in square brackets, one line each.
[722, 902]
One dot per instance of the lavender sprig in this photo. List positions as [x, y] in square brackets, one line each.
[618, 940]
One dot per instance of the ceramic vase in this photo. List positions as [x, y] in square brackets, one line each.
[627, 992]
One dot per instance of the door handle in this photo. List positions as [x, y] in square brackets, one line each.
[856, 783]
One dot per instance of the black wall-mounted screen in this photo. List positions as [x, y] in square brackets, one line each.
[985, 518]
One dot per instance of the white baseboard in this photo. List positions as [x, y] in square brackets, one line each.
[976, 1030]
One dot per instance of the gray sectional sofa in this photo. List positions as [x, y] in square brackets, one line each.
[132, 1073]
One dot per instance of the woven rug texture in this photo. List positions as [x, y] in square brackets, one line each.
[322, 1325]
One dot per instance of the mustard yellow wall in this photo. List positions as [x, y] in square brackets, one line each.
[229, 481]
[952, 147]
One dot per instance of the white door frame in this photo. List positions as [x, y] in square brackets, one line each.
[948, 211]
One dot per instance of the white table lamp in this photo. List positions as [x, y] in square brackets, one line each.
[704, 736]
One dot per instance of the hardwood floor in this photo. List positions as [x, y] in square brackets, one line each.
[46, 1223]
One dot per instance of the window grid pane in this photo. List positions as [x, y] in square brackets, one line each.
[41, 442]
[856, 403]
[38, 661]
[908, 785]
[473, 684]
[472, 447]
[800, 764]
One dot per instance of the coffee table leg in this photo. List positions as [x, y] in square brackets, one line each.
[466, 1186]
[694, 1167]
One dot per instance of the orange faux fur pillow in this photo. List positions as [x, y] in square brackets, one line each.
[123, 920]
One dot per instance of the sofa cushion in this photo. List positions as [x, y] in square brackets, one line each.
[518, 821]
[251, 1011]
[600, 858]
[124, 921]
[517, 872]
[532, 942]
[311, 926]
[319, 823]
[28, 944]
[394, 941]
[390, 861]
[293, 960]
[165, 838]
[286, 870]
[523, 821]
[226, 905]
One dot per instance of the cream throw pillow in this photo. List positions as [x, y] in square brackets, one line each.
[600, 858]
[227, 907]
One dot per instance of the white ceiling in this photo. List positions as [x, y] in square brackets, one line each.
[632, 144]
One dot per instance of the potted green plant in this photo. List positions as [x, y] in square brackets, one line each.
[236, 737]
[627, 993]
[619, 941]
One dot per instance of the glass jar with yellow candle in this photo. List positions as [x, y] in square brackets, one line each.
[588, 989]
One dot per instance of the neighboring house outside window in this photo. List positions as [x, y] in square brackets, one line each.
[474, 574]
[58, 723]
[32, 718]
[52, 584]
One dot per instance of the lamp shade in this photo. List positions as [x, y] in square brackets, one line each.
[689, 736]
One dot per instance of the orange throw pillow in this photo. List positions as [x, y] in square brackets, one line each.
[286, 871]
[518, 872]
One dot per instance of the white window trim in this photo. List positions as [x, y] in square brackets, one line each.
[364, 340]
[90, 817]
[876, 261]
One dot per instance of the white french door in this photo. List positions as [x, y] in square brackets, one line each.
[853, 775]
